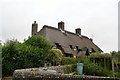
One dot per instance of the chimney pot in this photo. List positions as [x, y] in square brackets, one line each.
[61, 25]
[34, 21]
[78, 31]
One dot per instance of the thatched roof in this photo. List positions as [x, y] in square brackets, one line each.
[70, 43]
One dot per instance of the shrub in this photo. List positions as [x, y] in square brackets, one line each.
[69, 69]
[68, 60]
[100, 55]
[93, 69]
[117, 74]
[55, 56]
[89, 68]
[32, 53]
[39, 41]
[16, 56]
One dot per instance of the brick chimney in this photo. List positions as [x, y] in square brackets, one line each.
[61, 25]
[34, 28]
[78, 31]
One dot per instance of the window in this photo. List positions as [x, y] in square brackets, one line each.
[78, 48]
[87, 53]
[59, 47]
[71, 46]
[93, 50]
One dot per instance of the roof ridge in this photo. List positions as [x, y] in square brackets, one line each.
[58, 29]
[65, 31]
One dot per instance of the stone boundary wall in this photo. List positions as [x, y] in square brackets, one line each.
[65, 77]
[43, 74]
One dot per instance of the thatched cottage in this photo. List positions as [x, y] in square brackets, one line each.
[71, 44]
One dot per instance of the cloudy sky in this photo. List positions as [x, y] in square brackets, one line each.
[98, 19]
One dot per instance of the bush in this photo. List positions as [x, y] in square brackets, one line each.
[55, 56]
[104, 60]
[39, 41]
[68, 60]
[69, 69]
[92, 69]
[89, 68]
[32, 53]
[16, 56]
[117, 74]
[100, 55]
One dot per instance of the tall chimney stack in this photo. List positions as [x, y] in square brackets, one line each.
[78, 31]
[61, 25]
[34, 28]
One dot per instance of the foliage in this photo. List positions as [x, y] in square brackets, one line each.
[68, 60]
[39, 41]
[117, 74]
[0, 60]
[58, 53]
[36, 51]
[8, 50]
[107, 63]
[100, 55]
[116, 54]
[69, 69]
[89, 68]
[102, 59]
[0, 51]
[54, 56]
[93, 69]
[16, 55]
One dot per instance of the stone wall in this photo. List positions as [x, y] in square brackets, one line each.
[51, 73]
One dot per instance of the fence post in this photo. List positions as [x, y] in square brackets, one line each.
[104, 63]
[113, 68]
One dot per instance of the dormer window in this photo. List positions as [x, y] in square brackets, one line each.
[71, 46]
[57, 44]
[77, 47]
[87, 53]
[93, 50]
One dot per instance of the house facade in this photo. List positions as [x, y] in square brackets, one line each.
[71, 44]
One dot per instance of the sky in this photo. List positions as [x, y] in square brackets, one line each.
[119, 25]
[98, 19]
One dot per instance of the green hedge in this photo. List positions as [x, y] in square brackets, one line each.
[32, 53]
[89, 68]
[117, 74]
[69, 69]
[68, 60]
[93, 69]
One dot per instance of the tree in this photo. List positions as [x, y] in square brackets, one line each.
[39, 41]
[8, 51]
[31, 53]
[42, 43]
